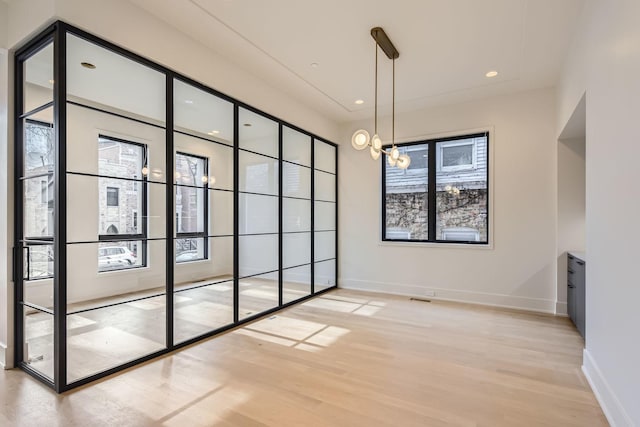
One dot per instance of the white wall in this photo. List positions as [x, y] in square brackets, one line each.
[571, 209]
[609, 76]
[520, 269]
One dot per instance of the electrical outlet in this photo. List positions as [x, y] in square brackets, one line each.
[429, 293]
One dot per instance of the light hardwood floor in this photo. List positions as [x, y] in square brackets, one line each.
[344, 359]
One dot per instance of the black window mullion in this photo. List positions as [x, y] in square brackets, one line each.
[170, 209]
[280, 191]
[431, 192]
[313, 213]
[236, 213]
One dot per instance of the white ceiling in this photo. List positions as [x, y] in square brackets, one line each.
[446, 46]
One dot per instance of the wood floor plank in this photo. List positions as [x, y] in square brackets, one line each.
[344, 359]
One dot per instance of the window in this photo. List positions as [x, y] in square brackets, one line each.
[122, 194]
[192, 180]
[44, 198]
[442, 196]
[112, 197]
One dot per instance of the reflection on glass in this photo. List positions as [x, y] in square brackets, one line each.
[259, 214]
[38, 79]
[296, 215]
[406, 198]
[325, 216]
[296, 181]
[325, 245]
[114, 82]
[325, 156]
[218, 157]
[191, 249]
[221, 213]
[38, 262]
[201, 310]
[258, 254]
[296, 249]
[39, 147]
[107, 337]
[325, 186]
[258, 174]
[38, 341]
[217, 267]
[258, 134]
[258, 294]
[461, 190]
[120, 255]
[38, 206]
[296, 283]
[296, 147]
[324, 275]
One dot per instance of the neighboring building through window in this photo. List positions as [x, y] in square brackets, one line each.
[122, 191]
[192, 181]
[443, 195]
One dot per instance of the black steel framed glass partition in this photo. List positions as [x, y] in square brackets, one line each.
[152, 211]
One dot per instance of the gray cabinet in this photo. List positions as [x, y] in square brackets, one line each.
[576, 292]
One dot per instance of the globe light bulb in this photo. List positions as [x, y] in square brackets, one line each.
[145, 171]
[375, 154]
[392, 161]
[376, 142]
[360, 139]
[205, 179]
[404, 161]
[395, 153]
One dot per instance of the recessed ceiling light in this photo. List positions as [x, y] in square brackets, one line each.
[88, 65]
[214, 132]
[359, 101]
[188, 101]
[314, 65]
[247, 124]
[491, 74]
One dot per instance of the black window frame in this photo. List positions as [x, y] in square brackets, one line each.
[432, 170]
[204, 234]
[141, 237]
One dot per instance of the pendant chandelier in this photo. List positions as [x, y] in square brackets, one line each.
[361, 138]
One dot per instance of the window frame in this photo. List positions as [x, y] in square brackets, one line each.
[434, 161]
[141, 237]
[457, 168]
[204, 234]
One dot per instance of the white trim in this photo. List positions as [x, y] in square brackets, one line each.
[609, 402]
[538, 305]
[6, 356]
[561, 309]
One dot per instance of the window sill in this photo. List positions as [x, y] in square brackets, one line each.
[456, 246]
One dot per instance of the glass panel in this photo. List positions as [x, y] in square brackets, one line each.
[39, 146]
[220, 213]
[91, 216]
[296, 147]
[461, 197]
[38, 79]
[457, 156]
[120, 255]
[89, 132]
[406, 197]
[217, 267]
[325, 184]
[258, 134]
[325, 216]
[190, 212]
[107, 337]
[191, 170]
[296, 215]
[193, 249]
[38, 341]
[258, 174]
[258, 294]
[102, 78]
[199, 112]
[201, 310]
[296, 181]
[89, 287]
[325, 245]
[296, 283]
[296, 249]
[258, 254]
[218, 156]
[325, 275]
[38, 206]
[258, 214]
[38, 262]
[325, 157]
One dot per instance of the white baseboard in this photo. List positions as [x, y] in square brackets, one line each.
[6, 356]
[495, 300]
[609, 402]
[561, 309]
